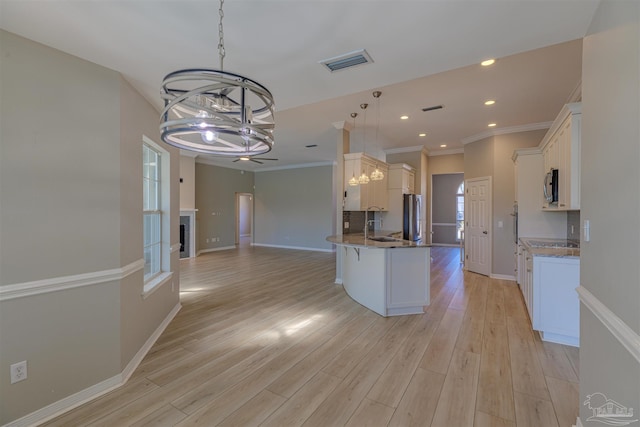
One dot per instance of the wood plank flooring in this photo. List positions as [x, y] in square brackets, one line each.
[266, 338]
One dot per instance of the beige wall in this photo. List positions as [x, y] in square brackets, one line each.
[293, 207]
[70, 176]
[492, 157]
[188, 184]
[610, 200]
[449, 163]
[216, 189]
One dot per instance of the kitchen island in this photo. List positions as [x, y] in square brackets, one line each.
[388, 275]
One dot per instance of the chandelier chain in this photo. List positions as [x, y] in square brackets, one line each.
[221, 50]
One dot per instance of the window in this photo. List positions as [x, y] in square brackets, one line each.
[152, 212]
[460, 212]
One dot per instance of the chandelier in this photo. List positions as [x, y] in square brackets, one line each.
[215, 111]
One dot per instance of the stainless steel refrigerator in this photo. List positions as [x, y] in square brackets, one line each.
[411, 222]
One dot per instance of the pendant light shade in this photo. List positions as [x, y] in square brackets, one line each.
[217, 112]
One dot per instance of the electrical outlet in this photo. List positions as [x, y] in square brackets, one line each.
[207, 240]
[346, 224]
[18, 372]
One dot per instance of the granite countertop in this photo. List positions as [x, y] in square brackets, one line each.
[558, 248]
[357, 240]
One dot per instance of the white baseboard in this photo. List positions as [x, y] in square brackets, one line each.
[70, 402]
[135, 361]
[222, 248]
[338, 281]
[298, 248]
[503, 277]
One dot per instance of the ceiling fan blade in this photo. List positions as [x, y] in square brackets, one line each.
[256, 161]
[236, 160]
[266, 158]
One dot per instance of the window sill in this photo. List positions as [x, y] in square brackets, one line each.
[154, 284]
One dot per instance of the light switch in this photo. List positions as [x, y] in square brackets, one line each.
[500, 224]
[587, 230]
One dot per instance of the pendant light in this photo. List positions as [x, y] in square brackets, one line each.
[377, 174]
[217, 112]
[364, 178]
[353, 181]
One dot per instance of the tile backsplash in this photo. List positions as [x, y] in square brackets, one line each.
[356, 221]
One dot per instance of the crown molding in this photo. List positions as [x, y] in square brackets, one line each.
[504, 131]
[446, 152]
[419, 148]
[298, 166]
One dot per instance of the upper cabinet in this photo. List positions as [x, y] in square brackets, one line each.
[402, 177]
[365, 196]
[561, 150]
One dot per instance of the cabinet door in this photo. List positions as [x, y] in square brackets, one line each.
[557, 307]
[564, 166]
[380, 190]
[352, 199]
[412, 182]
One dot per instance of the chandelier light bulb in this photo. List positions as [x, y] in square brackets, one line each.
[208, 136]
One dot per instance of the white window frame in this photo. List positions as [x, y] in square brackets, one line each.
[157, 206]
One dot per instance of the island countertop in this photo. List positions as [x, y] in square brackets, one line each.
[389, 239]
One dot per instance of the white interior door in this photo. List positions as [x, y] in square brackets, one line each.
[478, 225]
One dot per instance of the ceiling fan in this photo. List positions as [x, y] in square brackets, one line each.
[252, 159]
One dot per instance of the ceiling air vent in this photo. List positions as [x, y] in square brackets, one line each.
[435, 107]
[348, 60]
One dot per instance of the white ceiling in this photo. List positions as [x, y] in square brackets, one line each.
[425, 53]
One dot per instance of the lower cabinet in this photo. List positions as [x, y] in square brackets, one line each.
[548, 286]
[556, 308]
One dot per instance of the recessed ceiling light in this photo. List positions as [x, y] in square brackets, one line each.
[491, 125]
[404, 117]
[489, 102]
[422, 134]
[244, 158]
[443, 145]
[488, 62]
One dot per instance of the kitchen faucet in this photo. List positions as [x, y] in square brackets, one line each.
[366, 221]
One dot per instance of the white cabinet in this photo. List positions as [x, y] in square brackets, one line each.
[401, 181]
[525, 275]
[402, 177]
[561, 150]
[363, 196]
[556, 308]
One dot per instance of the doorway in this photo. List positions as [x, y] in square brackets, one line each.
[244, 219]
[477, 203]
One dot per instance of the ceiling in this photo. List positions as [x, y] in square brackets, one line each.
[425, 53]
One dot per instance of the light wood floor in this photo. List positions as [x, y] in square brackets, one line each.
[265, 338]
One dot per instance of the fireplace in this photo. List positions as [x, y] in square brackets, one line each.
[187, 233]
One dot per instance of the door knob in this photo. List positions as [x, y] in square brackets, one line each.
[485, 232]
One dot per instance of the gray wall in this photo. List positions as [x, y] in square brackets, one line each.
[70, 177]
[294, 207]
[443, 198]
[216, 189]
[610, 200]
[492, 157]
[448, 163]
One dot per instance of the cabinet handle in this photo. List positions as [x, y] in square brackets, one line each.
[528, 271]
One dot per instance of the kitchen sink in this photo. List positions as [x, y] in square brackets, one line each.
[383, 239]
